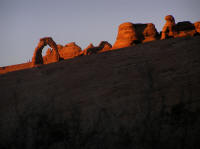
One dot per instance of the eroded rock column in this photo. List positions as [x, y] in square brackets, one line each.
[126, 36]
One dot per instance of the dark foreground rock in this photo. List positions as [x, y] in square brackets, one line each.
[141, 97]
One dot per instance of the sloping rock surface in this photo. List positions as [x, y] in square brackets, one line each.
[146, 96]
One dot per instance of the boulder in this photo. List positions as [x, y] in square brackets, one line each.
[70, 50]
[126, 36]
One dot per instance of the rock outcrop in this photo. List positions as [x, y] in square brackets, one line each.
[185, 28]
[104, 46]
[70, 50]
[169, 30]
[126, 36]
[150, 33]
[197, 27]
[173, 30]
[91, 49]
[146, 32]
[141, 97]
[52, 57]
[86, 50]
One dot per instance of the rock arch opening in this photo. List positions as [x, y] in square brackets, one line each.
[53, 56]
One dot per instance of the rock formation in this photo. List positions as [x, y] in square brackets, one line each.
[37, 56]
[168, 30]
[104, 46]
[173, 30]
[150, 33]
[91, 49]
[48, 55]
[185, 28]
[86, 50]
[197, 27]
[70, 50]
[141, 97]
[126, 36]
[146, 32]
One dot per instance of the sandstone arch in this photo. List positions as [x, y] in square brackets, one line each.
[37, 56]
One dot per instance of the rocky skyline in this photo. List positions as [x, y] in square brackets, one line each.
[24, 22]
[129, 34]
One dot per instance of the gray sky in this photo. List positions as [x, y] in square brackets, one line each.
[24, 22]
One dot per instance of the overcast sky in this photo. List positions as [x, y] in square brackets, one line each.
[24, 22]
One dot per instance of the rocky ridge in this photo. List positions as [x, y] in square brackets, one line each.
[143, 96]
[129, 34]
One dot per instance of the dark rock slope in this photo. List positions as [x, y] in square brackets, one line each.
[142, 97]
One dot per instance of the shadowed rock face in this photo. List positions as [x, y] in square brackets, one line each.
[146, 32]
[70, 50]
[104, 46]
[150, 33]
[86, 50]
[126, 36]
[53, 56]
[130, 34]
[185, 28]
[141, 97]
[91, 49]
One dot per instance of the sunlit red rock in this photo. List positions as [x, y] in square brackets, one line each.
[37, 56]
[59, 46]
[85, 51]
[146, 32]
[150, 33]
[126, 36]
[181, 29]
[185, 28]
[197, 26]
[48, 56]
[104, 46]
[70, 50]
[168, 30]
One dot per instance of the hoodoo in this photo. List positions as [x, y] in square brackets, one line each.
[169, 27]
[126, 36]
[173, 30]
